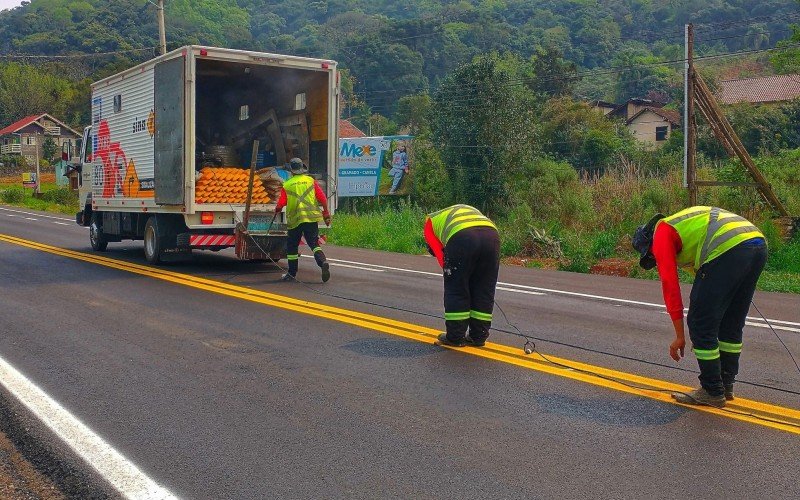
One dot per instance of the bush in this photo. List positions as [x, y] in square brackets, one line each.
[14, 194]
[61, 196]
[604, 245]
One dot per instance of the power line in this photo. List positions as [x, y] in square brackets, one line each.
[75, 56]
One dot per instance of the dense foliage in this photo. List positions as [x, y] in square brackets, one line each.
[395, 49]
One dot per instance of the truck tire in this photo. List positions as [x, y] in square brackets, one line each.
[152, 241]
[96, 236]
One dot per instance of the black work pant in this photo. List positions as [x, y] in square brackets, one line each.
[311, 232]
[471, 264]
[720, 300]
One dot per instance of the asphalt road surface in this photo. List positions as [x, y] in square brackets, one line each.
[212, 379]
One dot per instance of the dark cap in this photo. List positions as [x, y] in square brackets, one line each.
[643, 242]
[297, 166]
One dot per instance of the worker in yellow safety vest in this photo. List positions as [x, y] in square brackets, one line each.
[467, 246]
[726, 253]
[302, 197]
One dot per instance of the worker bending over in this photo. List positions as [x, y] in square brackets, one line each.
[302, 197]
[467, 246]
[727, 254]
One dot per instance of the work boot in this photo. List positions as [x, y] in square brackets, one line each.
[699, 397]
[443, 340]
[326, 272]
[473, 343]
[729, 392]
[287, 277]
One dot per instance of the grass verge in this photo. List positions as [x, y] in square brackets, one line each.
[399, 229]
[52, 199]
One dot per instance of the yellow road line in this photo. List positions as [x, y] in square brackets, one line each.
[776, 417]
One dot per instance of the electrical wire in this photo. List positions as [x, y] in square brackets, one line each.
[778, 336]
[529, 339]
[530, 348]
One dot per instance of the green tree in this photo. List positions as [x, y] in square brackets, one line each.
[484, 121]
[641, 74]
[573, 132]
[552, 74]
[413, 113]
[432, 188]
[27, 90]
[49, 149]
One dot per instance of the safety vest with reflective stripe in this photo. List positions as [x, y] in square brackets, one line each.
[450, 220]
[708, 232]
[301, 201]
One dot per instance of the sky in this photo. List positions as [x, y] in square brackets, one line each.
[7, 4]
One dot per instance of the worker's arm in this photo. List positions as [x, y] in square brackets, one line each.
[323, 201]
[281, 201]
[433, 242]
[666, 246]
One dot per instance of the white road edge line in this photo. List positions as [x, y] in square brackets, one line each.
[358, 267]
[30, 213]
[758, 321]
[120, 472]
[519, 291]
[335, 263]
[366, 267]
[5, 209]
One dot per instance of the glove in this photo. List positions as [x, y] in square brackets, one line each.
[327, 219]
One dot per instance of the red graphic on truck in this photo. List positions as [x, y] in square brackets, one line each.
[113, 158]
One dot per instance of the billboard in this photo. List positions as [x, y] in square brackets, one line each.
[372, 166]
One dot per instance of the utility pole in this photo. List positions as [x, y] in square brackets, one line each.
[38, 175]
[690, 134]
[162, 31]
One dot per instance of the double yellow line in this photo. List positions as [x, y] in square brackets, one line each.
[767, 415]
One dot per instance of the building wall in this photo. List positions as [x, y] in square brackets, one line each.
[644, 127]
[36, 134]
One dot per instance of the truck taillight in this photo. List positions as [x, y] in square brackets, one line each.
[325, 66]
[207, 217]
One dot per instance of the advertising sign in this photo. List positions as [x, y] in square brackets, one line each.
[369, 166]
[29, 179]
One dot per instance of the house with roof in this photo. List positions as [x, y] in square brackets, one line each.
[653, 125]
[348, 131]
[26, 137]
[603, 107]
[761, 90]
[647, 119]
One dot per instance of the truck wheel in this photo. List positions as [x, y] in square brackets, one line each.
[96, 236]
[152, 241]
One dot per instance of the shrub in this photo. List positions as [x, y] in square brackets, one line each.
[604, 245]
[14, 194]
[61, 196]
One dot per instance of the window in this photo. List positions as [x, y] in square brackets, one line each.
[300, 102]
[661, 133]
[244, 112]
[30, 140]
[117, 103]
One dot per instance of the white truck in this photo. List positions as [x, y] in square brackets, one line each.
[161, 129]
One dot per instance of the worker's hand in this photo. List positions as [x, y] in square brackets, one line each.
[676, 348]
[327, 219]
